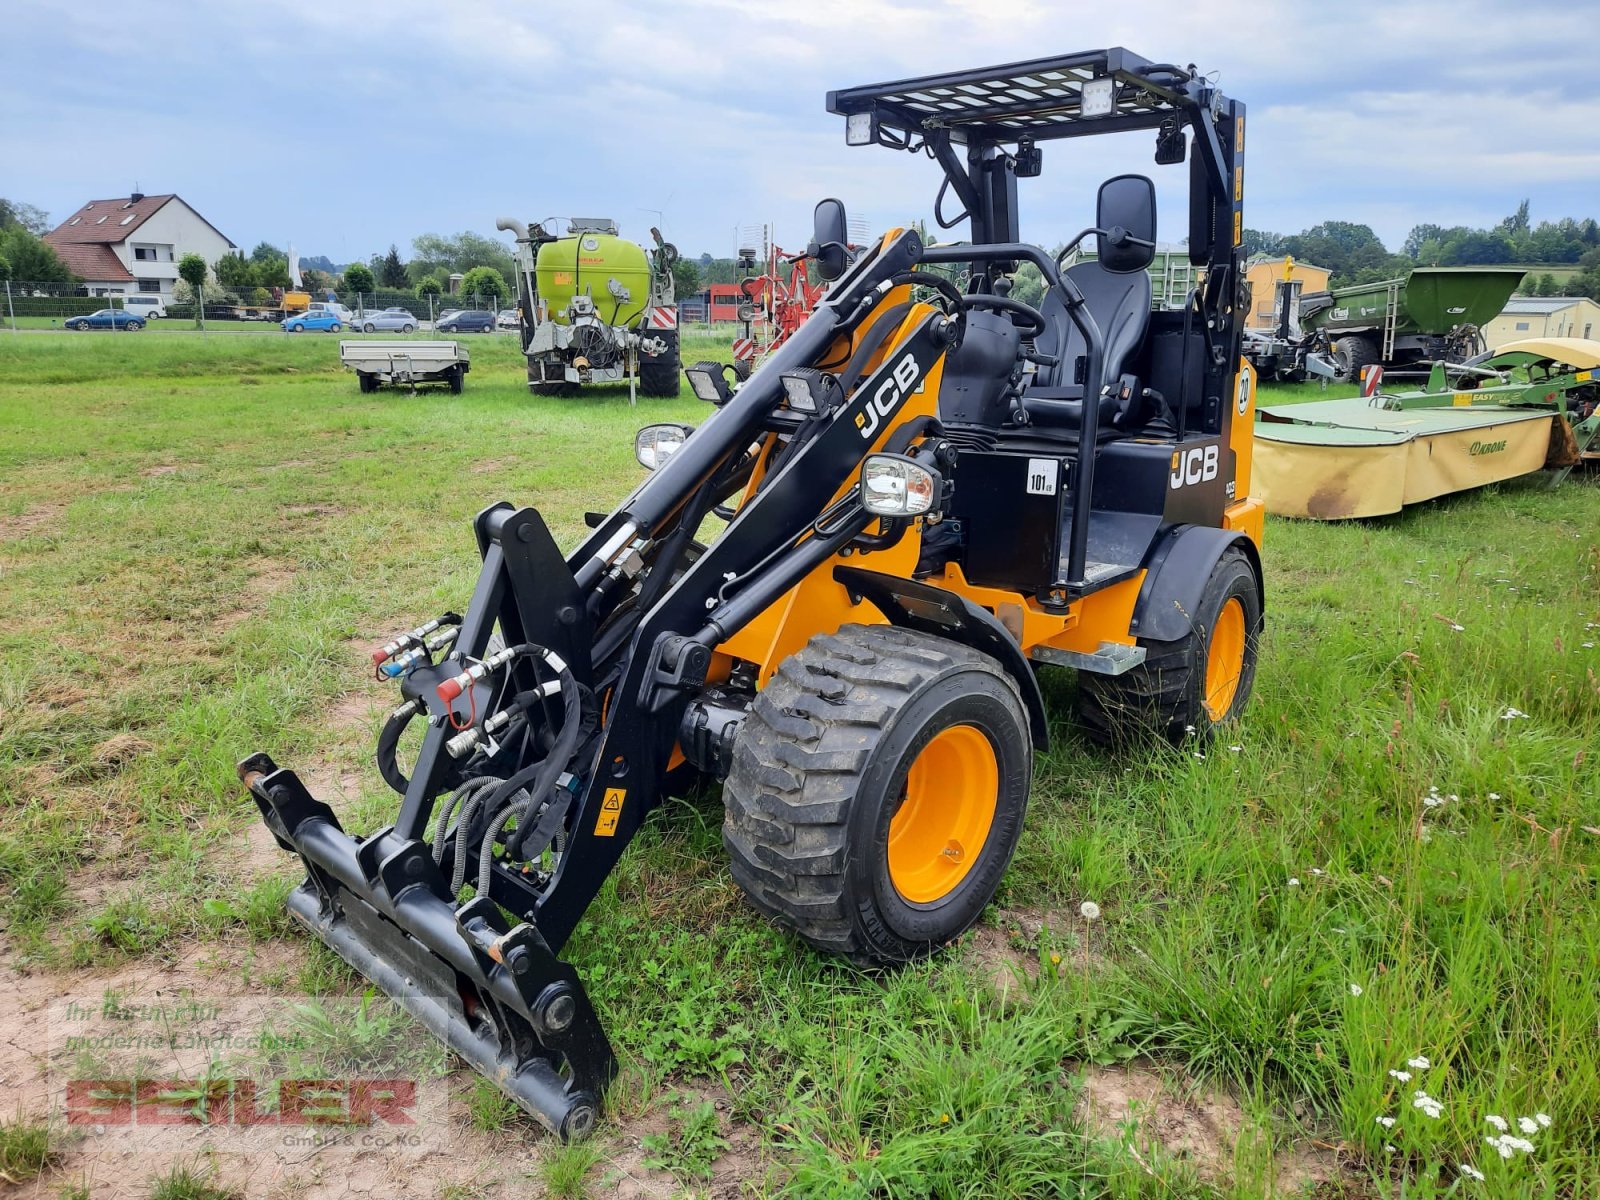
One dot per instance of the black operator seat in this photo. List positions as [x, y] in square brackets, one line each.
[1116, 291]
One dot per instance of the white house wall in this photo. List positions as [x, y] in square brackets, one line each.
[177, 225]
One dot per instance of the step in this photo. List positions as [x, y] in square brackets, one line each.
[1111, 659]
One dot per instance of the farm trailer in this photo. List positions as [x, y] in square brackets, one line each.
[406, 363]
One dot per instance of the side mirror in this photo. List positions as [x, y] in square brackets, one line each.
[830, 243]
[1126, 216]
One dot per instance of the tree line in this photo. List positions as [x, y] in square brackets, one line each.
[1352, 252]
[1355, 254]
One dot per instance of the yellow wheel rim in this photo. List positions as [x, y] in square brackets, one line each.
[1225, 659]
[952, 790]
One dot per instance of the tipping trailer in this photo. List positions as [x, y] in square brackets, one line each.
[1433, 314]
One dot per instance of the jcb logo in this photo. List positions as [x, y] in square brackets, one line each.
[1194, 466]
[888, 396]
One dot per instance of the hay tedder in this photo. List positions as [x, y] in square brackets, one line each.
[922, 498]
[773, 305]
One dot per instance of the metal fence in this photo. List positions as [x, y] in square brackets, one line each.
[49, 305]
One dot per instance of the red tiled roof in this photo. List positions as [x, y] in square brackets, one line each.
[91, 260]
[114, 228]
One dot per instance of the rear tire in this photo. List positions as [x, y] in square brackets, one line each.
[877, 791]
[457, 380]
[1351, 355]
[1190, 687]
[658, 378]
[368, 383]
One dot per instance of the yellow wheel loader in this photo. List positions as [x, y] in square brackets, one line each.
[930, 493]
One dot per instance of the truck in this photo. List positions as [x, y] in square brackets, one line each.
[594, 307]
[280, 303]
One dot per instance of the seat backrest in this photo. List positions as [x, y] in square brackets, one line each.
[1115, 287]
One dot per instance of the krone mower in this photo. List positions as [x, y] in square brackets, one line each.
[925, 496]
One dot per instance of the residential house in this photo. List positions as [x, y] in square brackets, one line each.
[131, 245]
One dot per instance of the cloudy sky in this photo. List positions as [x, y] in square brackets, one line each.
[344, 126]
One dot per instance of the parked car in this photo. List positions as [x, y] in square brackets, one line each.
[338, 310]
[388, 320]
[106, 318]
[507, 319]
[472, 320]
[147, 307]
[321, 319]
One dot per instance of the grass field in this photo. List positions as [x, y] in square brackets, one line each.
[1392, 860]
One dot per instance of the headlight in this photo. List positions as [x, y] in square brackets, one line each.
[894, 486]
[707, 381]
[657, 443]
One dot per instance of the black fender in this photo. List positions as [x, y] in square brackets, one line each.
[1176, 571]
[934, 610]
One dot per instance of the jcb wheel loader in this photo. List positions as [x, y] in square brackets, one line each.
[924, 496]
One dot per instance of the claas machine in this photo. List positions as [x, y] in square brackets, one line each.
[832, 598]
[593, 307]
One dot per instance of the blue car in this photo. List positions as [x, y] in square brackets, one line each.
[106, 318]
[313, 320]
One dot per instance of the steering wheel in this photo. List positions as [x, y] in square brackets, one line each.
[1014, 308]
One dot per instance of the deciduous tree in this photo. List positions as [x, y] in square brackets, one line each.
[358, 278]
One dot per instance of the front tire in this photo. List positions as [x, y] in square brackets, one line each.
[877, 791]
[1190, 687]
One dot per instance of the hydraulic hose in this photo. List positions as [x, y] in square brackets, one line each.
[389, 745]
[503, 799]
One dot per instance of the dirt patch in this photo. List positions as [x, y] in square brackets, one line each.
[489, 464]
[167, 469]
[14, 528]
[623, 1174]
[265, 578]
[117, 752]
[1199, 1127]
[1011, 952]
